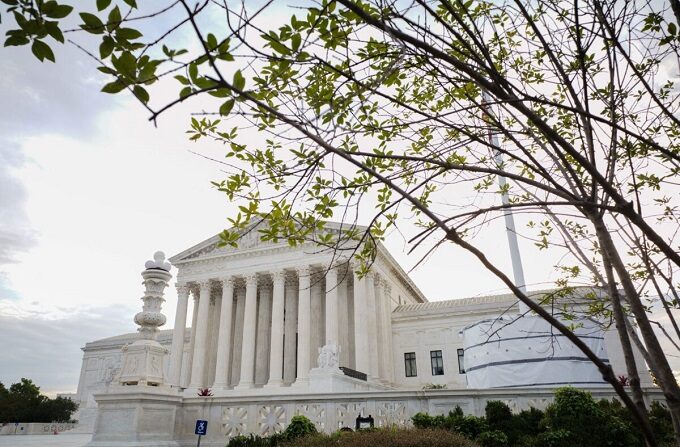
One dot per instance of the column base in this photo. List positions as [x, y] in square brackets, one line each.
[244, 386]
[277, 383]
[300, 382]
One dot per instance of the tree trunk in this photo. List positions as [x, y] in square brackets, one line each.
[660, 366]
[628, 355]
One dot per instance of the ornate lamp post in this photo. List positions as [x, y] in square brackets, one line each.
[143, 359]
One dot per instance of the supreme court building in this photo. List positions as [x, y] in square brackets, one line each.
[274, 331]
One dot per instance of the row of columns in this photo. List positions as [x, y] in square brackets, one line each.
[371, 316]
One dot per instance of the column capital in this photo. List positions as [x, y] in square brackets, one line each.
[227, 281]
[278, 276]
[183, 289]
[250, 278]
[204, 284]
[303, 270]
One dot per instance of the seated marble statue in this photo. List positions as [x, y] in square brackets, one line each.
[328, 356]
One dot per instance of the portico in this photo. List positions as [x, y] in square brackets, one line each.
[262, 311]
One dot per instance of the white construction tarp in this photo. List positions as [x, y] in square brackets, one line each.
[526, 351]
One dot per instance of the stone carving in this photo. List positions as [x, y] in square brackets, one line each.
[347, 413]
[234, 421]
[314, 412]
[391, 413]
[272, 419]
[158, 262]
[328, 357]
[143, 359]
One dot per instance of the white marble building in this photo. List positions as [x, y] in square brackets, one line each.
[260, 314]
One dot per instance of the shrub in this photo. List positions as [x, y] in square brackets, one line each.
[529, 422]
[384, 438]
[250, 441]
[470, 426]
[660, 419]
[494, 438]
[498, 414]
[575, 418]
[424, 420]
[299, 426]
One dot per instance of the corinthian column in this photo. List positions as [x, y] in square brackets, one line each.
[178, 334]
[224, 335]
[249, 325]
[276, 353]
[371, 323]
[332, 330]
[380, 327]
[304, 326]
[199, 360]
[360, 324]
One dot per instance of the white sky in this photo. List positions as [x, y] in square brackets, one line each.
[89, 190]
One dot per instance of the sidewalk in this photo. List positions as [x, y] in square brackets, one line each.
[61, 440]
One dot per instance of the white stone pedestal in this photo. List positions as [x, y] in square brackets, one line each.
[140, 416]
[143, 363]
[332, 380]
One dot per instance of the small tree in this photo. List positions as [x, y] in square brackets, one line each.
[424, 108]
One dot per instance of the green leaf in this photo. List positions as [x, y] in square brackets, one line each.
[42, 51]
[239, 81]
[128, 34]
[226, 107]
[92, 24]
[296, 40]
[183, 80]
[114, 19]
[106, 47]
[53, 30]
[56, 11]
[103, 4]
[113, 87]
[131, 3]
[193, 72]
[126, 64]
[16, 41]
[279, 47]
[141, 93]
[211, 41]
[186, 91]
[672, 29]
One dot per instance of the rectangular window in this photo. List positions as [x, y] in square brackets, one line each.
[461, 361]
[437, 363]
[410, 364]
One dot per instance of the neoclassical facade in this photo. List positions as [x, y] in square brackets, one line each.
[262, 312]
[274, 330]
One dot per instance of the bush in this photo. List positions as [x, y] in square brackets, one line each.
[469, 426]
[384, 438]
[575, 418]
[253, 441]
[498, 414]
[299, 426]
[495, 438]
[424, 420]
[660, 419]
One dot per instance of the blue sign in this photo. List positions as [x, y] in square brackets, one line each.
[201, 427]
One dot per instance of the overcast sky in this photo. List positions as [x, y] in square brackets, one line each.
[89, 190]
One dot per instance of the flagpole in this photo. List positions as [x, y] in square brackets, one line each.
[511, 233]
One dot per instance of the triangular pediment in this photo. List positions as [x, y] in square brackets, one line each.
[250, 239]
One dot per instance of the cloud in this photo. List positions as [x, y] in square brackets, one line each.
[37, 99]
[31, 342]
[16, 235]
